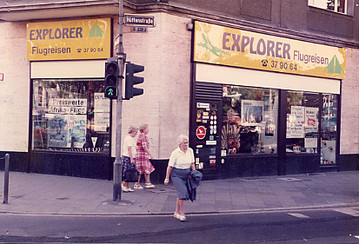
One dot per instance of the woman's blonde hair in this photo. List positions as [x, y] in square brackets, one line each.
[143, 127]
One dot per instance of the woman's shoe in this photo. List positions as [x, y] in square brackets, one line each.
[176, 215]
[124, 188]
[138, 187]
[149, 185]
[130, 189]
[182, 218]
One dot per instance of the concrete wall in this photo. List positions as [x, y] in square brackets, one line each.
[350, 105]
[15, 89]
[165, 52]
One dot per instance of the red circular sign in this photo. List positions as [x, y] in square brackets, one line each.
[201, 132]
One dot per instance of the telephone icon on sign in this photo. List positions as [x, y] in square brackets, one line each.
[264, 62]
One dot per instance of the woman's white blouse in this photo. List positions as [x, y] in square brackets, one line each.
[180, 159]
[129, 142]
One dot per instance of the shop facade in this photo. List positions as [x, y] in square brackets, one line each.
[70, 117]
[264, 105]
[255, 99]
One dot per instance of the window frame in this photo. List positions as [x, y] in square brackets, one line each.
[262, 149]
[346, 10]
[102, 137]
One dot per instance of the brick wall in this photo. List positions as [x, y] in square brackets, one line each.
[350, 105]
[165, 52]
[14, 90]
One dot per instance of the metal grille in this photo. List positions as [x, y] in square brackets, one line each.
[210, 91]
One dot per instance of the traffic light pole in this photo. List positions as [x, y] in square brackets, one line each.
[117, 166]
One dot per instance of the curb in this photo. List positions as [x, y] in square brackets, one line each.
[158, 214]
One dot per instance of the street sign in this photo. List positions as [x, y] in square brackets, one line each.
[139, 20]
[139, 29]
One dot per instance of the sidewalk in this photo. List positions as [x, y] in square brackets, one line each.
[62, 195]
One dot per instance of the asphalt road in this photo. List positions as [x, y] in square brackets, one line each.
[309, 226]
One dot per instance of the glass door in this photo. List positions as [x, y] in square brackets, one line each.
[329, 130]
[207, 139]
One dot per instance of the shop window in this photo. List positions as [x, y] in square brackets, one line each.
[249, 120]
[70, 115]
[339, 6]
[329, 129]
[302, 122]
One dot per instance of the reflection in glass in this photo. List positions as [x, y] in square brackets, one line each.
[302, 122]
[70, 115]
[333, 5]
[249, 120]
[329, 129]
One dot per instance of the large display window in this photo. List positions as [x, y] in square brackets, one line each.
[250, 118]
[70, 115]
[302, 122]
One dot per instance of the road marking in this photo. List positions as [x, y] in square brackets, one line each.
[299, 215]
[289, 179]
[349, 211]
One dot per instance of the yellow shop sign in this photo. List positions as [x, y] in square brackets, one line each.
[216, 44]
[74, 39]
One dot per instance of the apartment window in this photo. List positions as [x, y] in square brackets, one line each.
[339, 6]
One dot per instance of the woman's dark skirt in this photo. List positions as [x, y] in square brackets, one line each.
[126, 165]
[179, 179]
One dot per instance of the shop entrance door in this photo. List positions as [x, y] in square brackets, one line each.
[207, 137]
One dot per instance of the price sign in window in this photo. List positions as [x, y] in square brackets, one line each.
[302, 122]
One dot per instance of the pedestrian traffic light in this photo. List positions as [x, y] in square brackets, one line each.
[111, 77]
[132, 80]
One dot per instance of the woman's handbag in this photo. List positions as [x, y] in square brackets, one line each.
[131, 175]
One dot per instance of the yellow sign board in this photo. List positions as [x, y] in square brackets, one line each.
[65, 40]
[221, 45]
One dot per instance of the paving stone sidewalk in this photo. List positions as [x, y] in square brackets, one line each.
[51, 194]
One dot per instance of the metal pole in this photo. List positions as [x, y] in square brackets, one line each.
[117, 166]
[6, 178]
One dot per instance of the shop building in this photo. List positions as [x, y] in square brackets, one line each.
[260, 88]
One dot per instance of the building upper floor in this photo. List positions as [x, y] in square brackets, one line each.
[334, 22]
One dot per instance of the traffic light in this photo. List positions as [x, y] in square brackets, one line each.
[111, 77]
[132, 80]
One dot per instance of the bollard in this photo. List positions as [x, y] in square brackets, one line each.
[6, 178]
[117, 176]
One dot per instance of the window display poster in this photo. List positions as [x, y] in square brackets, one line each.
[66, 131]
[295, 122]
[102, 112]
[311, 119]
[310, 142]
[101, 121]
[76, 130]
[252, 112]
[57, 134]
[67, 106]
[102, 104]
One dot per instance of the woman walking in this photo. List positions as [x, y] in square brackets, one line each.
[128, 157]
[179, 168]
[143, 156]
